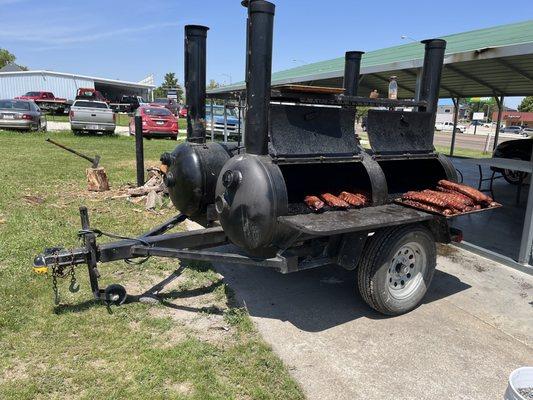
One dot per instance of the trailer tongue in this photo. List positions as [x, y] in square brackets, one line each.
[300, 145]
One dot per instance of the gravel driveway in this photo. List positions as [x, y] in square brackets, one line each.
[65, 126]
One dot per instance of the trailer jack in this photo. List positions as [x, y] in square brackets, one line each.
[61, 263]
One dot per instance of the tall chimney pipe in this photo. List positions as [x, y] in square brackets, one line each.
[258, 71]
[431, 73]
[352, 68]
[195, 75]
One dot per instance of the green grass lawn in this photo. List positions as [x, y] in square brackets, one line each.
[122, 120]
[195, 345]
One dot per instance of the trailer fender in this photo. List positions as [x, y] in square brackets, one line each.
[350, 249]
[440, 229]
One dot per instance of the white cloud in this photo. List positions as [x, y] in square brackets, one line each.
[59, 37]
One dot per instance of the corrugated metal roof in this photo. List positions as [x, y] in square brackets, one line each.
[496, 60]
[76, 76]
[63, 85]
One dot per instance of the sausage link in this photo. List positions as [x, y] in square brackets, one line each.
[474, 194]
[427, 207]
[425, 198]
[314, 203]
[464, 198]
[450, 200]
[334, 201]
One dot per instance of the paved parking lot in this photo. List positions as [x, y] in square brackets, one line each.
[472, 330]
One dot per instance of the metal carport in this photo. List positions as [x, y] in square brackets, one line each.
[491, 62]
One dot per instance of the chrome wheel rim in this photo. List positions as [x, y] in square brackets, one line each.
[406, 270]
[513, 175]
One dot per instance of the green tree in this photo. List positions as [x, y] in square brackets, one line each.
[526, 105]
[487, 106]
[8, 58]
[212, 84]
[361, 112]
[169, 82]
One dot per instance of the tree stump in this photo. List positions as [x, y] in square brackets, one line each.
[97, 179]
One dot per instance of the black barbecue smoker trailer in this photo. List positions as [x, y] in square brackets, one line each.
[298, 141]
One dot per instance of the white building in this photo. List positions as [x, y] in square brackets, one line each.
[17, 83]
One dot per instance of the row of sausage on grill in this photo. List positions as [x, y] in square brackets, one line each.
[449, 198]
[342, 201]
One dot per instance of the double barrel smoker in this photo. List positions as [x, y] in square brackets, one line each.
[298, 141]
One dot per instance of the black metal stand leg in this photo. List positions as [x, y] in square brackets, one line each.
[89, 240]
[480, 177]
[519, 188]
[491, 182]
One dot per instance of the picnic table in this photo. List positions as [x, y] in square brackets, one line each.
[502, 163]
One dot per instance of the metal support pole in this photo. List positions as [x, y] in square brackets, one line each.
[499, 102]
[225, 121]
[239, 105]
[417, 83]
[527, 231]
[212, 120]
[139, 150]
[455, 115]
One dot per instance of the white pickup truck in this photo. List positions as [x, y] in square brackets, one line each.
[91, 116]
[448, 126]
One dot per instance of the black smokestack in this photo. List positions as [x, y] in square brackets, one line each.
[431, 73]
[352, 68]
[258, 75]
[195, 75]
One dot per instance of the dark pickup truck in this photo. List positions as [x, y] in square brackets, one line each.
[128, 104]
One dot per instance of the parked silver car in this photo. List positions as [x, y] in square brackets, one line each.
[512, 129]
[91, 116]
[21, 114]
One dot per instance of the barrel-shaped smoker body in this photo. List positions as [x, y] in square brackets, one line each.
[301, 148]
[193, 166]
[192, 175]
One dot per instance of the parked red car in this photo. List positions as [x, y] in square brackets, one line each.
[183, 112]
[157, 122]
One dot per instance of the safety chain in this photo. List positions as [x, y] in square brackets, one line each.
[59, 272]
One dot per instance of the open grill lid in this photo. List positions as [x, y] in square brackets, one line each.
[309, 133]
[400, 133]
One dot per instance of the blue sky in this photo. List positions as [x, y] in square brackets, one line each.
[130, 39]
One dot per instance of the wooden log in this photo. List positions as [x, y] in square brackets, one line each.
[97, 179]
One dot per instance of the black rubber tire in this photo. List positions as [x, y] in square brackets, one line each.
[76, 132]
[115, 294]
[511, 177]
[373, 268]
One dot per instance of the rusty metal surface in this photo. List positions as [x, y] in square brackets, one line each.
[369, 218]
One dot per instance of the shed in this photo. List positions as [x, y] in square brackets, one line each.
[64, 85]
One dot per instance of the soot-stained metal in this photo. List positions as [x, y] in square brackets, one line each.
[298, 142]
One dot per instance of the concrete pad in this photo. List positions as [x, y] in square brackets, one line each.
[474, 327]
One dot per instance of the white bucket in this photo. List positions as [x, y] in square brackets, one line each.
[519, 378]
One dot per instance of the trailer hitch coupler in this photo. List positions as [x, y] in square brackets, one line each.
[39, 265]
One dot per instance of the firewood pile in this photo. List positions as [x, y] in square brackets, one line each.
[448, 199]
[152, 192]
